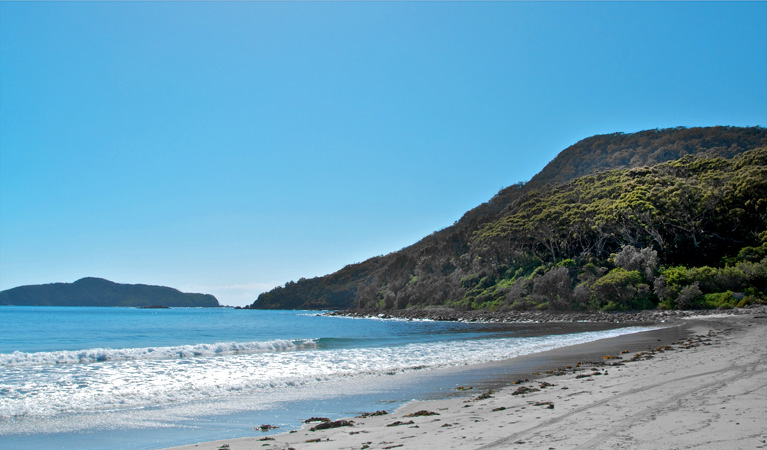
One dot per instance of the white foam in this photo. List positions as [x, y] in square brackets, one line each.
[153, 353]
[228, 371]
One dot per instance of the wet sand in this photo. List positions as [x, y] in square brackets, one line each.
[702, 384]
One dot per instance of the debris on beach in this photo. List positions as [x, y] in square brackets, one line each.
[316, 419]
[334, 424]
[399, 423]
[422, 413]
[524, 390]
[485, 396]
[587, 375]
[373, 414]
[588, 363]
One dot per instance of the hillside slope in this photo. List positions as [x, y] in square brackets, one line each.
[100, 292]
[595, 199]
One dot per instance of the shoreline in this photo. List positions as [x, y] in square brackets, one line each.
[713, 359]
[651, 316]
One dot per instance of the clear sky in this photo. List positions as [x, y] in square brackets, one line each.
[228, 148]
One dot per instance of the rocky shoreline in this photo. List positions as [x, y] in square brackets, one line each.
[452, 315]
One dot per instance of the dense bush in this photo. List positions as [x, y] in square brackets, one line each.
[621, 289]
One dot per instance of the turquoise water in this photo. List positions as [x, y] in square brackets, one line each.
[93, 377]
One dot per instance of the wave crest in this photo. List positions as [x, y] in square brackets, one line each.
[95, 355]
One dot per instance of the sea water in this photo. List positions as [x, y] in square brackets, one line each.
[80, 377]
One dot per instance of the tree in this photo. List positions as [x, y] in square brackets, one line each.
[554, 287]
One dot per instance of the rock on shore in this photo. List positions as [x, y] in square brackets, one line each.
[449, 314]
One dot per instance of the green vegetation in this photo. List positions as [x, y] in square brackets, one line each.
[674, 219]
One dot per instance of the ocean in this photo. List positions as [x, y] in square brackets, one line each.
[128, 378]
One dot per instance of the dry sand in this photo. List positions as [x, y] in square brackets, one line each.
[708, 391]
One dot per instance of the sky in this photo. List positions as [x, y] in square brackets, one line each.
[231, 147]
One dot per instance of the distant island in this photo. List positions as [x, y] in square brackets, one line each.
[100, 292]
[672, 219]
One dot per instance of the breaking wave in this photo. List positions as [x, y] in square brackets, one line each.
[95, 355]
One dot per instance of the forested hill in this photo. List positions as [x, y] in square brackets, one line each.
[100, 292]
[673, 217]
[646, 148]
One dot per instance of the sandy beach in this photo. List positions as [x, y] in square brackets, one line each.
[705, 390]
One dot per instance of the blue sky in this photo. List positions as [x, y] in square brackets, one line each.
[229, 148]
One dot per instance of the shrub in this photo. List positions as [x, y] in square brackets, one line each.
[667, 304]
[522, 305]
[555, 286]
[621, 289]
[581, 294]
[718, 300]
[662, 290]
[753, 254]
[518, 291]
[644, 261]
[706, 277]
[688, 296]
[676, 276]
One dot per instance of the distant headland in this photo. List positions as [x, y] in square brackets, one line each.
[100, 292]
